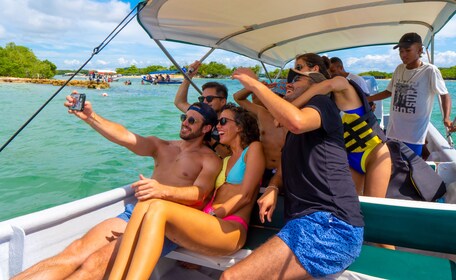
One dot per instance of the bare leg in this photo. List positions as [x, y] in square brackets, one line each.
[130, 238]
[65, 263]
[191, 228]
[378, 167]
[358, 179]
[378, 172]
[272, 260]
[97, 265]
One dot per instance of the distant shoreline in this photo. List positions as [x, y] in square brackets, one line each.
[56, 82]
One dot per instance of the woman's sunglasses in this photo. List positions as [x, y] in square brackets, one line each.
[191, 120]
[223, 121]
[209, 98]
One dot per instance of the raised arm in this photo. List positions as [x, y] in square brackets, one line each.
[338, 85]
[255, 164]
[295, 120]
[114, 132]
[181, 99]
[241, 98]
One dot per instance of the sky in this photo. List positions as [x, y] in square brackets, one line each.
[66, 32]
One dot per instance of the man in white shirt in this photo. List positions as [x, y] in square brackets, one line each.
[412, 88]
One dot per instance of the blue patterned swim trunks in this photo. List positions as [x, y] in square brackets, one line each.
[323, 244]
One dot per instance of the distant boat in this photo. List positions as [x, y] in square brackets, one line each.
[158, 78]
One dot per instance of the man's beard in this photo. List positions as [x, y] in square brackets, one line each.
[191, 135]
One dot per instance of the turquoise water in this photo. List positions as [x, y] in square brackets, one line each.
[57, 158]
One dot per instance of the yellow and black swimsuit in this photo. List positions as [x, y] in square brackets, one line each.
[361, 132]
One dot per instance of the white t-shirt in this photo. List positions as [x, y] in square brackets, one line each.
[359, 81]
[412, 100]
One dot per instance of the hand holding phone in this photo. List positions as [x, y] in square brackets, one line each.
[78, 102]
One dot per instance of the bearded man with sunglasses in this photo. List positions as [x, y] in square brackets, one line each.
[214, 94]
[184, 172]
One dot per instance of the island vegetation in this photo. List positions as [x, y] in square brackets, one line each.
[21, 62]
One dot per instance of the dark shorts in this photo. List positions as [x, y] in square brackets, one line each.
[323, 244]
[168, 245]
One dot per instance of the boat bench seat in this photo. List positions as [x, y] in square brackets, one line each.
[421, 229]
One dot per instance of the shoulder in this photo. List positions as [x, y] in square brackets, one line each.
[430, 67]
[254, 147]
[320, 101]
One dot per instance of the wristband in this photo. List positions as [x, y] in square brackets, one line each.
[272, 186]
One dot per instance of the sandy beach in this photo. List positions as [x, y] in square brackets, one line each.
[56, 82]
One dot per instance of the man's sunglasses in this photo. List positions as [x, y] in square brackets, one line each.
[223, 121]
[191, 120]
[209, 98]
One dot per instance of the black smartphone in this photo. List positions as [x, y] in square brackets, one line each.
[78, 104]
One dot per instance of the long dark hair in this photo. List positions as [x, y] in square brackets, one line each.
[313, 59]
[243, 118]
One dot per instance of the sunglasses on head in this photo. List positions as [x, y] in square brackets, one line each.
[209, 98]
[191, 120]
[223, 121]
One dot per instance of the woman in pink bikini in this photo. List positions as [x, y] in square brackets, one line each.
[221, 228]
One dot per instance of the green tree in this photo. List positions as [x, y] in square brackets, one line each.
[214, 69]
[21, 62]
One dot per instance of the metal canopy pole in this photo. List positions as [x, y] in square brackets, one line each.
[431, 60]
[266, 72]
[165, 51]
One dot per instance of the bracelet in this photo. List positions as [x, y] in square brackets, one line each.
[211, 212]
[272, 186]
[91, 119]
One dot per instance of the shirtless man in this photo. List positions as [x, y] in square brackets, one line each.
[271, 136]
[184, 172]
[214, 95]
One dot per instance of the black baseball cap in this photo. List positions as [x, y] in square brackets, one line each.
[316, 77]
[408, 39]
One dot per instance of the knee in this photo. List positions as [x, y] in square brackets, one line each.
[95, 264]
[228, 275]
[74, 252]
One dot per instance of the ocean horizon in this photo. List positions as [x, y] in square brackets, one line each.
[58, 158]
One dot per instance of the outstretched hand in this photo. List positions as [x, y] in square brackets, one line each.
[83, 115]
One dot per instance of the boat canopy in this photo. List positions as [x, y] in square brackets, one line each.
[103, 72]
[274, 32]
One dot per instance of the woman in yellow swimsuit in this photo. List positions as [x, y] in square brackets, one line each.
[221, 229]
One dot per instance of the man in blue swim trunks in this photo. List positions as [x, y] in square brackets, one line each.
[184, 171]
[323, 233]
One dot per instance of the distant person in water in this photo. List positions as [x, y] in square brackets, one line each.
[184, 172]
[221, 228]
[412, 88]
